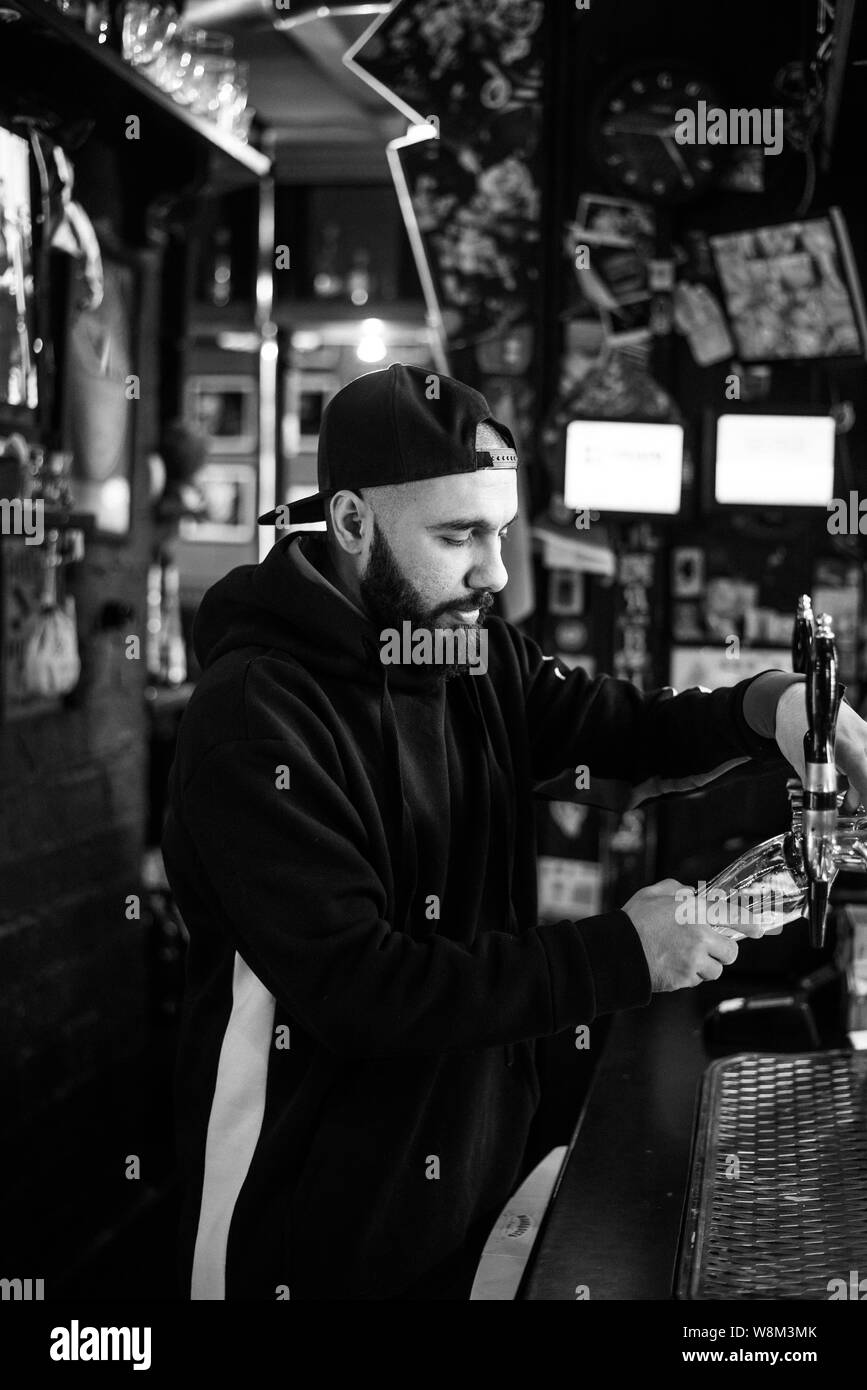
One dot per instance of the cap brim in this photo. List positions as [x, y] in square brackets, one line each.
[297, 513]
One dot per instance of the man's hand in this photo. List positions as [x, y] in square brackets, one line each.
[680, 956]
[851, 743]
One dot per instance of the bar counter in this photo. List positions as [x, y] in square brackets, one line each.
[614, 1220]
[613, 1223]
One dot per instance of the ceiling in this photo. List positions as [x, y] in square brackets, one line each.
[327, 125]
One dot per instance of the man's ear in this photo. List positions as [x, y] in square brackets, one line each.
[349, 513]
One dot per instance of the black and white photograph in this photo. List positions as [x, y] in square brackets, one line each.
[433, 680]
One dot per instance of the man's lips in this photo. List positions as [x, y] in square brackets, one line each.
[464, 615]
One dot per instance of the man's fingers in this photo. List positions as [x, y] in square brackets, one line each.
[721, 948]
[749, 924]
[669, 886]
[853, 761]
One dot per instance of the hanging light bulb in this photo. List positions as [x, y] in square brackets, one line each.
[371, 347]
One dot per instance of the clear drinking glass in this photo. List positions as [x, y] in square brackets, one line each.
[203, 75]
[765, 885]
[147, 28]
[243, 124]
[170, 66]
[233, 96]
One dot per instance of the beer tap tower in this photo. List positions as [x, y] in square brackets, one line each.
[815, 806]
[819, 815]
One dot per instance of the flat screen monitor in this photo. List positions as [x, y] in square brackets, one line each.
[765, 460]
[632, 468]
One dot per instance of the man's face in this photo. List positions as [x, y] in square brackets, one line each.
[433, 558]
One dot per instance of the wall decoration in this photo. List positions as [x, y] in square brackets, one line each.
[568, 888]
[225, 407]
[711, 668]
[18, 386]
[229, 490]
[452, 56]
[611, 244]
[98, 396]
[477, 213]
[792, 291]
[687, 571]
[307, 394]
[472, 195]
[632, 133]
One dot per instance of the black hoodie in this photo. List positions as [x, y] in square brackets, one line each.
[351, 846]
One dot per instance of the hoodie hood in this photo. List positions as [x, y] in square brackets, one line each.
[285, 603]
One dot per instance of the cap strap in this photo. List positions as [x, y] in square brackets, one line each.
[496, 458]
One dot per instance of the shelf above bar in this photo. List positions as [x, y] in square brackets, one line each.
[53, 61]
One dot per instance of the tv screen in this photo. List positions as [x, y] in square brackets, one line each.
[792, 291]
[631, 467]
[774, 460]
[17, 366]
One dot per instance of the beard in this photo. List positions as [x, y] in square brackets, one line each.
[392, 600]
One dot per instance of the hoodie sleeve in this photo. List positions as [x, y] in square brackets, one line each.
[288, 872]
[649, 742]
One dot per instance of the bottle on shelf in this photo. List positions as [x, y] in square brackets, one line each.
[359, 279]
[220, 285]
[166, 651]
[327, 280]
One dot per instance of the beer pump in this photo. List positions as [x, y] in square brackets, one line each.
[802, 635]
[819, 806]
[794, 872]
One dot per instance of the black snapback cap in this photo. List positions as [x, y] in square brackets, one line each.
[397, 425]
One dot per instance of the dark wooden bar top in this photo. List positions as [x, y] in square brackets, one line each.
[614, 1221]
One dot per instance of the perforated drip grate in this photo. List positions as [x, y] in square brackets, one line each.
[777, 1205]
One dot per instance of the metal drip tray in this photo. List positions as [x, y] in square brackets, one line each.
[777, 1203]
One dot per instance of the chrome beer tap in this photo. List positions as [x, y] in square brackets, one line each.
[802, 646]
[793, 872]
[819, 847]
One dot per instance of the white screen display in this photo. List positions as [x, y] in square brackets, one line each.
[617, 466]
[775, 460]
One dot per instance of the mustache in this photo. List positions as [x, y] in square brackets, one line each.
[484, 602]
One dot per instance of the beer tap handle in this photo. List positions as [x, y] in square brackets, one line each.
[802, 635]
[802, 646]
[823, 696]
[819, 815]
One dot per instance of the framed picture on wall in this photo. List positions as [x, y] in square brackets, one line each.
[226, 408]
[229, 490]
[307, 395]
[99, 387]
[792, 290]
[18, 376]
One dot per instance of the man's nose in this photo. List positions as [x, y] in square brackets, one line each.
[489, 573]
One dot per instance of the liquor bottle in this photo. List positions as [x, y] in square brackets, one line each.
[358, 282]
[327, 280]
[173, 653]
[220, 286]
[166, 651]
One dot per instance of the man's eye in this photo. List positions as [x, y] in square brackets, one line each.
[466, 541]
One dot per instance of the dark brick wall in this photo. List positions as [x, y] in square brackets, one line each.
[73, 810]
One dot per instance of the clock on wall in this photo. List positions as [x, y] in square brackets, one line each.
[632, 134]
